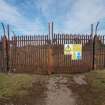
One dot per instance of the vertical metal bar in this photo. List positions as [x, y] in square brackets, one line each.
[93, 67]
[65, 55]
[41, 51]
[8, 48]
[12, 53]
[46, 55]
[3, 28]
[44, 51]
[31, 52]
[49, 30]
[52, 26]
[24, 50]
[34, 54]
[28, 50]
[19, 51]
[103, 51]
[58, 51]
[92, 30]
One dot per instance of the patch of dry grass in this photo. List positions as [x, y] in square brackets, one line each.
[14, 84]
[94, 92]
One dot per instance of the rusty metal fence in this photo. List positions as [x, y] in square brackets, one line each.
[44, 55]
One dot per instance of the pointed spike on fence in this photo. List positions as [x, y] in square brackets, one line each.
[92, 26]
[96, 28]
[49, 29]
[52, 27]
[1, 37]
[3, 28]
[8, 31]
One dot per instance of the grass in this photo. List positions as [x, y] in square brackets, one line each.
[94, 92]
[16, 84]
[97, 79]
[91, 94]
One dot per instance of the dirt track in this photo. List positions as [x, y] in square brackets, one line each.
[51, 90]
[58, 93]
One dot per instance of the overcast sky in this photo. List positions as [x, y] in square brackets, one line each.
[69, 16]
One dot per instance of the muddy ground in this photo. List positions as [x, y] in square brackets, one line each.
[56, 90]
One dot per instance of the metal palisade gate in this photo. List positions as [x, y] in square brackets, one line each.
[99, 52]
[64, 63]
[29, 54]
[40, 54]
[44, 55]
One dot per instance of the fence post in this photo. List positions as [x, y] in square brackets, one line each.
[5, 54]
[50, 49]
[94, 42]
[8, 48]
[92, 31]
